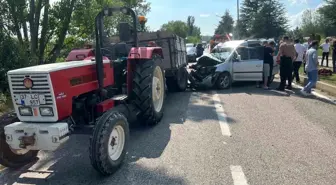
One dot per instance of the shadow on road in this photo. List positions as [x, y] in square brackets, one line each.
[71, 165]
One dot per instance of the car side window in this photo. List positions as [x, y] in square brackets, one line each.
[256, 53]
[243, 52]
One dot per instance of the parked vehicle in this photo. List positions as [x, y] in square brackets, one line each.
[191, 53]
[105, 89]
[199, 50]
[240, 60]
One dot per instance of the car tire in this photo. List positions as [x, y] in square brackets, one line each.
[223, 81]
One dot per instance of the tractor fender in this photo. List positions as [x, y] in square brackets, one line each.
[144, 52]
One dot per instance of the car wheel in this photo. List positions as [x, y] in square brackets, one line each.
[223, 81]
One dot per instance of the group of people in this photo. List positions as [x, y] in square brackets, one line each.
[291, 56]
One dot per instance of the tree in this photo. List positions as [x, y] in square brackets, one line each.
[225, 25]
[309, 23]
[190, 24]
[35, 23]
[179, 28]
[296, 34]
[262, 18]
[328, 11]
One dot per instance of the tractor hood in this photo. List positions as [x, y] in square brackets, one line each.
[47, 68]
[208, 60]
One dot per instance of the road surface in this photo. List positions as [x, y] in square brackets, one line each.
[232, 137]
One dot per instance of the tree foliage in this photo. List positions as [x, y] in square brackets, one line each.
[35, 31]
[262, 18]
[226, 24]
[184, 29]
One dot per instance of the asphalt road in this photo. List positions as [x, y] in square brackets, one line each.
[232, 137]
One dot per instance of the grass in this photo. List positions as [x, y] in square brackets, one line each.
[327, 79]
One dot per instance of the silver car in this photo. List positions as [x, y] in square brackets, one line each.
[241, 60]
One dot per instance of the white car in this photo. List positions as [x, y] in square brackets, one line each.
[191, 53]
[241, 60]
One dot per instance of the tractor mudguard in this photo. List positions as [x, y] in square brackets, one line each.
[145, 52]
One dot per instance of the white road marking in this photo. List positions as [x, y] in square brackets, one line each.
[222, 117]
[238, 175]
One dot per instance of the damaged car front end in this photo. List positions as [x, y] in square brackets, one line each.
[209, 69]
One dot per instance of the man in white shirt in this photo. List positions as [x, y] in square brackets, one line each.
[300, 50]
[325, 54]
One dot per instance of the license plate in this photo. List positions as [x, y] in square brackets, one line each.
[30, 99]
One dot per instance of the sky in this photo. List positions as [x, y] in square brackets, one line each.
[206, 12]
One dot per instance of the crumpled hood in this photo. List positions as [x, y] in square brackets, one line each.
[208, 60]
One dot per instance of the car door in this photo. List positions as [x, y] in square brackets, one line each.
[250, 67]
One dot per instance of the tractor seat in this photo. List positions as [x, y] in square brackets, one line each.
[117, 50]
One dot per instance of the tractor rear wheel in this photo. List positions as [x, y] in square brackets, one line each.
[109, 142]
[149, 91]
[178, 83]
[9, 157]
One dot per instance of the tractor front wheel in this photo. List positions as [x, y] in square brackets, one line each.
[9, 157]
[149, 90]
[109, 142]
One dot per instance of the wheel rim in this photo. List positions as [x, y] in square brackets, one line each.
[116, 142]
[157, 89]
[224, 81]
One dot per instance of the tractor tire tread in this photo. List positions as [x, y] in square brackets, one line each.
[97, 149]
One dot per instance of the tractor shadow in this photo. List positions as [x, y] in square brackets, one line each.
[71, 164]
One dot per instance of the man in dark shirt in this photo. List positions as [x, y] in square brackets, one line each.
[268, 63]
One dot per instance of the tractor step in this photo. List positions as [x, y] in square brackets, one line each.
[120, 97]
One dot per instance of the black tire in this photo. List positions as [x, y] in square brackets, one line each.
[8, 158]
[178, 83]
[99, 142]
[142, 91]
[223, 81]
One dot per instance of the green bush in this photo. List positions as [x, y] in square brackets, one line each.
[12, 56]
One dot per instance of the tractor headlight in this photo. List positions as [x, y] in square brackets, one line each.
[25, 111]
[46, 111]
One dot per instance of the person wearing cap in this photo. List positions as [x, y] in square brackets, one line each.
[286, 56]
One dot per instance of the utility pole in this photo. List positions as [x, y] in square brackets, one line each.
[237, 10]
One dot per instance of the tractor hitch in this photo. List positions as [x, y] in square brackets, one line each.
[27, 141]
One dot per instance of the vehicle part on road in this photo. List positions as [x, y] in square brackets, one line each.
[179, 82]
[223, 81]
[105, 89]
[11, 157]
[108, 142]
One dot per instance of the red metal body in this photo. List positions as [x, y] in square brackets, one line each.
[72, 82]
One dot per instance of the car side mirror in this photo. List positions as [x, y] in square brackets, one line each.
[125, 32]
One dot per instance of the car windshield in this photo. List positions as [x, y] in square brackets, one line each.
[222, 53]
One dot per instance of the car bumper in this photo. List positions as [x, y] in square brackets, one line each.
[36, 136]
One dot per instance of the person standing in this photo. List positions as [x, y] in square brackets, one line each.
[334, 56]
[300, 50]
[286, 55]
[307, 46]
[311, 68]
[325, 51]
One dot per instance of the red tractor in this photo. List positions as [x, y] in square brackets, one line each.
[52, 101]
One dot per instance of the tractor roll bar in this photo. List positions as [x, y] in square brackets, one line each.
[99, 28]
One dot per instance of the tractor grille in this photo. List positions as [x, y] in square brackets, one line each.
[41, 86]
